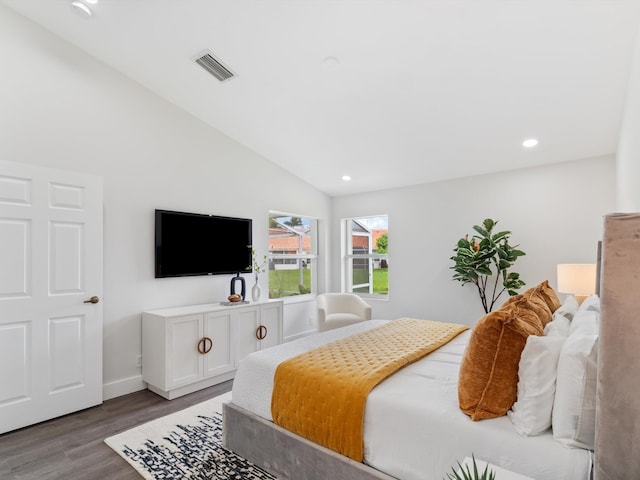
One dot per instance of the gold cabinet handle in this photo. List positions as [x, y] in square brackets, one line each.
[208, 344]
[93, 299]
[205, 344]
[261, 332]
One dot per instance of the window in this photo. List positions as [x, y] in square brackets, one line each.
[292, 255]
[365, 247]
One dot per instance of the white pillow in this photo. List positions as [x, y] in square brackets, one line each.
[568, 308]
[574, 408]
[592, 302]
[531, 414]
[587, 318]
[559, 325]
[585, 323]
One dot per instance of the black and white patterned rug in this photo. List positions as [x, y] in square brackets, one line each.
[185, 445]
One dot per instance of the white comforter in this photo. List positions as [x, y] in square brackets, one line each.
[413, 428]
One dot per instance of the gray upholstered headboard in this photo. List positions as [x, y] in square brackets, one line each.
[617, 454]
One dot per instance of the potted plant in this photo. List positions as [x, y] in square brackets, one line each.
[466, 473]
[485, 260]
[258, 267]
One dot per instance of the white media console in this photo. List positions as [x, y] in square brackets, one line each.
[188, 348]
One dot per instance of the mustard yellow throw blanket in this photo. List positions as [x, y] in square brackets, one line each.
[321, 394]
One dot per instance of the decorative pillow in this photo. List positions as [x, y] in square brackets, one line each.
[587, 318]
[488, 378]
[559, 326]
[549, 295]
[574, 408]
[544, 301]
[569, 307]
[531, 414]
[591, 303]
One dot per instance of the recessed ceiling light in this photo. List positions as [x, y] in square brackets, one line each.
[530, 143]
[331, 61]
[346, 178]
[82, 9]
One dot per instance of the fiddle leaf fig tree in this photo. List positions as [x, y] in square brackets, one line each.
[485, 260]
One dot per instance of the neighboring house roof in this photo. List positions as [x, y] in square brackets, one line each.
[288, 240]
[289, 244]
[360, 241]
[285, 240]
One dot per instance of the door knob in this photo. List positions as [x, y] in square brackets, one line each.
[93, 299]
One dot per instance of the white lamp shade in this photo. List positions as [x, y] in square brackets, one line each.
[577, 278]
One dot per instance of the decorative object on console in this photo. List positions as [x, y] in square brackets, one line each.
[256, 291]
[233, 287]
[577, 279]
[257, 268]
[484, 256]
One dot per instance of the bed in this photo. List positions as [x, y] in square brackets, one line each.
[411, 434]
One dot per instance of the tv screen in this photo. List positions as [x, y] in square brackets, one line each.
[193, 244]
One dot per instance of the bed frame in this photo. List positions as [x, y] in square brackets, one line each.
[285, 454]
[291, 457]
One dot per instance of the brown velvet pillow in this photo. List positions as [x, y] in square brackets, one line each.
[548, 294]
[488, 379]
[544, 301]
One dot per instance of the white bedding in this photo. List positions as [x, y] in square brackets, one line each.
[413, 428]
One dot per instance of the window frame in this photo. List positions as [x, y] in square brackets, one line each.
[347, 233]
[312, 257]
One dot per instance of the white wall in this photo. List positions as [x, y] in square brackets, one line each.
[628, 154]
[61, 108]
[554, 213]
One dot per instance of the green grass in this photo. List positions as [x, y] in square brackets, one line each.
[381, 281]
[285, 283]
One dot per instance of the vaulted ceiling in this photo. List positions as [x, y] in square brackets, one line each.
[390, 92]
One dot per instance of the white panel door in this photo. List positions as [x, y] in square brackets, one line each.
[246, 324]
[50, 267]
[184, 363]
[219, 355]
[270, 319]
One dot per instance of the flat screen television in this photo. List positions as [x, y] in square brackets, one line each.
[190, 244]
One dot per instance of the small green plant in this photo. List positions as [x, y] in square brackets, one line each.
[487, 255]
[465, 473]
[258, 267]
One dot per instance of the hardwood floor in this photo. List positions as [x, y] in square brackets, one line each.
[72, 447]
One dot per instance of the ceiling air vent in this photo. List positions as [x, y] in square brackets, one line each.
[214, 67]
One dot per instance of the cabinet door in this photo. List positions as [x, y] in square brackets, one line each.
[246, 323]
[184, 364]
[271, 319]
[219, 357]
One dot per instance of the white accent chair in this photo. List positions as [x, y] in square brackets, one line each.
[340, 309]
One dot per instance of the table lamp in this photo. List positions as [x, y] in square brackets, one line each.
[578, 279]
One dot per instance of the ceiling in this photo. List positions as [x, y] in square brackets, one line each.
[390, 92]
